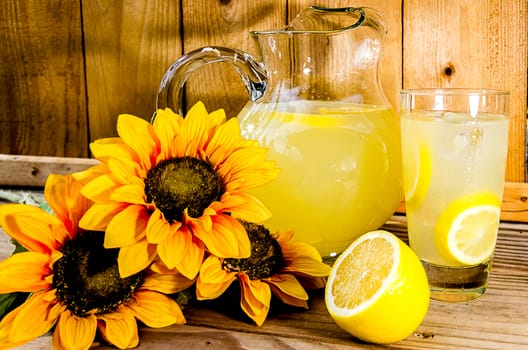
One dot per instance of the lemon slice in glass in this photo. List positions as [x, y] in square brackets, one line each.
[466, 231]
[377, 289]
[417, 176]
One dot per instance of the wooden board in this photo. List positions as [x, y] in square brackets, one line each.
[129, 46]
[42, 95]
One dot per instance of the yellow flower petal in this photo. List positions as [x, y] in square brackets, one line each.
[255, 299]
[156, 310]
[174, 248]
[134, 194]
[125, 171]
[100, 189]
[112, 147]
[63, 194]
[228, 239]
[24, 272]
[245, 206]
[30, 320]
[166, 125]
[91, 173]
[98, 216]
[189, 266]
[213, 281]
[74, 332]
[140, 136]
[127, 227]
[32, 227]
[307, 266]
[226, 138]
[166, 283]
[119, 328]
[136, 257]
[158, 229]
[289, 285]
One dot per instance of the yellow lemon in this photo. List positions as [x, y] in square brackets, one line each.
[417, 176]
[466, 231]
[377, 289]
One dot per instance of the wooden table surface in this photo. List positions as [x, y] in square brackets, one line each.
[497, 320]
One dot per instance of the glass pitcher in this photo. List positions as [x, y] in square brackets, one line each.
[316, 103]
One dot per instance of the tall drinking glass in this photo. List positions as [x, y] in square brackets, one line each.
[454, 147]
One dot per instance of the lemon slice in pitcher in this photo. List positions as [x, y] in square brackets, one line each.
[377, 289]
[466, 231]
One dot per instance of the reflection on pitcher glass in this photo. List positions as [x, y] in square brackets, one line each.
[317, 105]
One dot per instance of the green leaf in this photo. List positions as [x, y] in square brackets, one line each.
[10, 301]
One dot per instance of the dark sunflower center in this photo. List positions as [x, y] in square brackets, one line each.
[266, 255]
[183, 183]
[87, 277]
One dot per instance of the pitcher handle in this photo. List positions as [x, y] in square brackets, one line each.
[170, 91]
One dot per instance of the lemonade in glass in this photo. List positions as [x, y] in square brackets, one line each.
[454, 148]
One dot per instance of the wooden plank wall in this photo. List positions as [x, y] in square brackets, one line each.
[68, 68]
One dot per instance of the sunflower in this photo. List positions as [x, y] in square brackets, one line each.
[172, 189]
[277, 266]
[73, 281]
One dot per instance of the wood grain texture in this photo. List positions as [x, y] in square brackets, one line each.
[42, 95]
[498, 320]
[466, 43]
[225, 23]
[129, 45]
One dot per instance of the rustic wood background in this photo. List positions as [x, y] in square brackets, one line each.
[68, 68]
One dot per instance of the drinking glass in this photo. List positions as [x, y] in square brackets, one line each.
[454, 148]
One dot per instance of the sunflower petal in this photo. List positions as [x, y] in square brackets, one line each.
[213, 281]
[140, 136]
[245, 206]
[166, 283]
[98, 216]
[91, 173]
[306, 266]
[126, 171]
[227, 239]
[156, 310]
[289, 285]
[159, 229]
[166, 125]
[62, 193]
[190, 265]
[112, 147]
[30, 320]
[255, 299]
[127, 227]
[24, 272]
[74, 332]
[174, 248]
[288, 299]
[100, 189]
[133, 193]
[120, 328]
[136, 257]
[32, 227]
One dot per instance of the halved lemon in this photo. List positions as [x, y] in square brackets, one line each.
[417, 173]
[377, 289]
[466, 231]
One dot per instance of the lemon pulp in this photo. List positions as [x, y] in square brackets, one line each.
[377, 289]
[466, 231]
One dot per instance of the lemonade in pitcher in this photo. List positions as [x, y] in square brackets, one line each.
[339, 168]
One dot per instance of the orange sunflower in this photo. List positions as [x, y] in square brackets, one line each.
[172, 189]
[73, 281]
[276, 266]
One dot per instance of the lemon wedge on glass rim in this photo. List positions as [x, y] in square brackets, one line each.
[466, 231]
[377, 289]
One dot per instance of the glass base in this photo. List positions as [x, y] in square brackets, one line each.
[457, 283]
